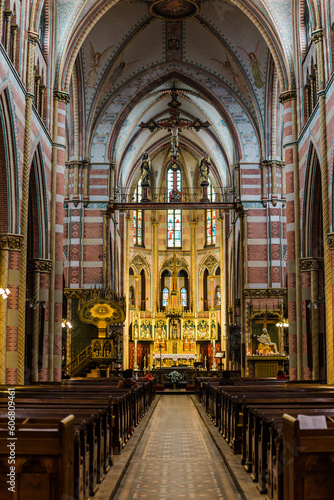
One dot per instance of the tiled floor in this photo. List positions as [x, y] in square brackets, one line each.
[176, 458]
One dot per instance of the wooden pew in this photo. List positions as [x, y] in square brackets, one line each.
[44, 459]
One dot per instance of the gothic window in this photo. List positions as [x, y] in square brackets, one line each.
[131, 296]
[218, 296]
[174, 228]
[137, 218]
[184, 297]
[165, 294]
[143, 290]
[307, 24]
[174, 217]
[210, 217]
[205, 290]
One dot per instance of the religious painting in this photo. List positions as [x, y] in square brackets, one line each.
[189, 335]
[203, 332]
[160, 329]
[189, 329]
[146, 330]
[265, 338]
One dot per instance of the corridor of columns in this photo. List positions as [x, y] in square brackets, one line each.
[177, 453]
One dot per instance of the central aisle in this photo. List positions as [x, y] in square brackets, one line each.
[176, 458]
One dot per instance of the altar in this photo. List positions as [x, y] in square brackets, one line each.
[167, 360]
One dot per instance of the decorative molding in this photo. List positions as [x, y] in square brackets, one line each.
[288, 95]
[138, 262]
[170, 264]
[76, 293]
[311, 264]
[264, 293]
[210, 262]
[39, 265]
[11, 241]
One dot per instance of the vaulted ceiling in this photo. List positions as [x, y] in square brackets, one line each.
[120, 61]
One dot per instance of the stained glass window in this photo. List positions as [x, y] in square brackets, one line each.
[174, 217]
[137, 219]
[210, 217]
[184, 297]
[165, 293]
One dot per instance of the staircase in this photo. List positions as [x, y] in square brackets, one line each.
[80, 363]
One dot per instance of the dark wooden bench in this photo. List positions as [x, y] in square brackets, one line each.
[39, 475]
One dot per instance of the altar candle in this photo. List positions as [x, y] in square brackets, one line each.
[214, 343]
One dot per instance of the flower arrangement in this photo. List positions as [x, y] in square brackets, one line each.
[174, 377]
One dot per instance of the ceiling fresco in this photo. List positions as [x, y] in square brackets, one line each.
[216, 57]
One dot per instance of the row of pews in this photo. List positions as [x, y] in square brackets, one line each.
[258, 419]
[66, 435]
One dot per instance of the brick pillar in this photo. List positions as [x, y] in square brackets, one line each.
[40, 269]
[10, 245]
[288, 99]
[56, 235]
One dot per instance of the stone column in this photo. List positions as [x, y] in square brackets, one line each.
[193, 267]
[37, 266]
[85, 166]
[289, 101]
[155, 225]
[242, 300]
[317, 37]
[223, 286]
[127, 313]
[10, 245]
[32, 39]
[8, 15]
[314, 266]
[56, 235]
[115, 269]
[233, 274]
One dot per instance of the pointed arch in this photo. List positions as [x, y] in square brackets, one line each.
[9, 221]
[38, 219]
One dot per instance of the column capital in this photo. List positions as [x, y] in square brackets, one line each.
[32, 37]
[317, 35]
[193, 223]
[330, 240]
[39, 265]
[311, 264]
[11, 241]
[61, 96]
[288, 95]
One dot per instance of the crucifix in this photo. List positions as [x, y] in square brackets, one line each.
[174, 123]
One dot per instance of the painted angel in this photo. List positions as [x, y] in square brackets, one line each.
[255, 65]
[233, 70]
[115, 75]
[96, 59]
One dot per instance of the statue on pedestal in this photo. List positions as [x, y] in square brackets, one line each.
[145, 169]
[204, 169]
[265, 345]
